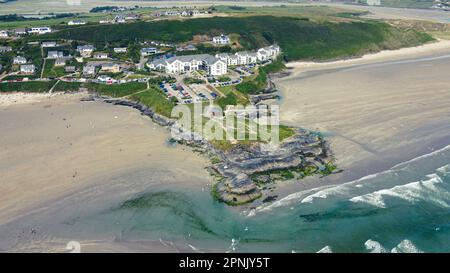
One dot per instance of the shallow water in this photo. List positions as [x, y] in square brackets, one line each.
[405, 209]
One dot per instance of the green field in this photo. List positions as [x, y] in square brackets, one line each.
[299, 38]
[32, 86]
[51, 71]
[155, 99]
[117, 90]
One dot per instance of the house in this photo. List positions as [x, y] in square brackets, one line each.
[221, 40]
[120, 18]
[19, 60]
[55, 54]
[111, 68]
[60, 62]
[19, 31]
[101, 55]
[27, 69]
[4, 49]
[48, 44]
[148, 51]
[85, 50]
[89, 70]
[131, 16]
[4, 34]
[104, 21]
[70, 69]
[39, 30]
[242, 57]
[76, 22]
[270, 52]
[187, 48]
[183, 64]
[120, 50]
[216, 67]
[106, 79]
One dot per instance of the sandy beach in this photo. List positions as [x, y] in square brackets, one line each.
[440, 46]
[59, 146]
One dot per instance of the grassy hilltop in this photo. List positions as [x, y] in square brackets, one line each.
[299, 38]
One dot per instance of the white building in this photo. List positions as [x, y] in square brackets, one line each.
[101, 55]
[148, 51]
[4, 49]
[60, 62]
[85, 50]
[120, 50]
[55, 54]
[266, 53]
[39, 30]
[27, 68]
[221, 40]
[4, 34]
[48, 44]
[19, 31]
[76, 22]
[19, 60]
[183, 64]
[245, 57]
[111, 67]
[89, 70]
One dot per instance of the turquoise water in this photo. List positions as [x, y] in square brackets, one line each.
[405, 209]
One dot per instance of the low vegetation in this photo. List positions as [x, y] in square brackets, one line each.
[299, 39]
[31, 86]
[155, 99]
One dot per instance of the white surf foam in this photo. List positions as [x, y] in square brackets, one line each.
[406, 246]
[374, 246]
[326, 249]
[324, 192]
[401, 165]
[427, 191]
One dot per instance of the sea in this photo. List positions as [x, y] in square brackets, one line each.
[404, 209]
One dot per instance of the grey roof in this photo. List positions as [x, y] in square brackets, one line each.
[198, 57]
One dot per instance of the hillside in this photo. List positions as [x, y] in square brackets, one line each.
[299, 38]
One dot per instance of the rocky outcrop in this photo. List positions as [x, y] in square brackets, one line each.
[235, 168]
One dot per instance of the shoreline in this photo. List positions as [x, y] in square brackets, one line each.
[8, 99]
[20, 98]
[372, 143]
[383, 55]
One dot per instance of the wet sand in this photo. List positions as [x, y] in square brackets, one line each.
[61, 146]
[375, 111]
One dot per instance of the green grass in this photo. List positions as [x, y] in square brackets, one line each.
[254, 85]
[155, 99]
[32, 86]
[51, 71]
[68, 86]
[117, 90]
[299, 39]
[193, 81]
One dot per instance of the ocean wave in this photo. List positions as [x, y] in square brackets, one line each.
[403, 164]
[348, 188]
[326, 249]
[374, 246]
[308, 196]
[425, 190]
[406, 246]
